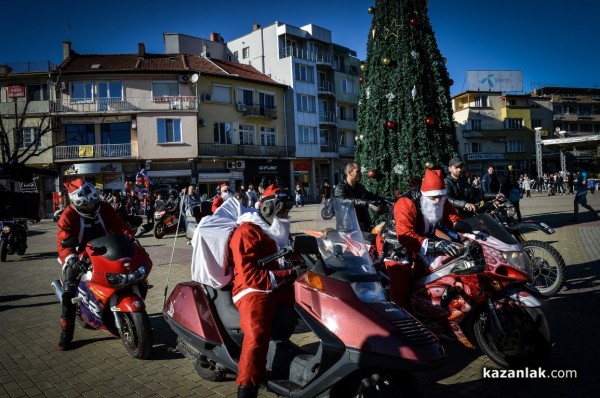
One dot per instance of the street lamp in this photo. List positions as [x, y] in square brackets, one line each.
[538, 150]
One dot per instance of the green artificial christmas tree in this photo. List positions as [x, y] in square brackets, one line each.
[405, 113]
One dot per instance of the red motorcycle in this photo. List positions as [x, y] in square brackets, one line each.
[479, 296]
[367, 346]
[111, 293]
[166, 221]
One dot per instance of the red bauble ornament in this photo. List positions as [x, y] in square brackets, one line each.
[372, 173]
[413, 21]
[361, 80]
[390, 125]
[450, 82]
[429, 121]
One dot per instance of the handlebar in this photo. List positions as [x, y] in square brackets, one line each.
[282, 252]
[450, 258]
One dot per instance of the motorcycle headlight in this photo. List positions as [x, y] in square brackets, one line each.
[518, 260]
[510, 212]
[122, 280]
[5, 229]
[369, 292]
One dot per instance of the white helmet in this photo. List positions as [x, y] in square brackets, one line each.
[83, 198]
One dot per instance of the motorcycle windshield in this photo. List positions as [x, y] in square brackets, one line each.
[488, 225]
[340, 239]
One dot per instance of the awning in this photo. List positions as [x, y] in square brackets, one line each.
[572, 140]
[169, 173]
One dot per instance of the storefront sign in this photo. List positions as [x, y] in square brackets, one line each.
[484, 156]
[16, 91]
[28, 186]
[94, 168]
[301, 166]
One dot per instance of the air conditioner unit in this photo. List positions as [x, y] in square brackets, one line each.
[240, 164]
[184, 78]
[230, 165]
[241, 107]
[206, 97]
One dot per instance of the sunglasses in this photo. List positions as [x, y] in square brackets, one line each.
[225, 190]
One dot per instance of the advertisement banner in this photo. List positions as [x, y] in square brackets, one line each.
[495, 80]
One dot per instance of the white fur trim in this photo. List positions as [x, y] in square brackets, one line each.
[438, 192]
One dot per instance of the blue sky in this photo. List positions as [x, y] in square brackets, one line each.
[550, 41]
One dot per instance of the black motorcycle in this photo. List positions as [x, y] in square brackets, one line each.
[13, 238]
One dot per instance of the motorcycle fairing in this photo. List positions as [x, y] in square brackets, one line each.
[530, 225]
[522, 297]
[129, 300]
[91, 307]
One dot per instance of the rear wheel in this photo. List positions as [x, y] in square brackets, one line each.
[3, 250]
[136, 334]
[523, 341]
[549, 268]
[159, 230]
[372, 383]
[327, 212]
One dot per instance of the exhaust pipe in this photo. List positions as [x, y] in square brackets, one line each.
[58, 290]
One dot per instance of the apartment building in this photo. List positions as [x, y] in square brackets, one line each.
[175, 115]
[496, 128]
[321, 111]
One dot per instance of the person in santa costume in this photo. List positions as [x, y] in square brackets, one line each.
[86, 218]
[416, 214]
[224, 194]
[258, 290]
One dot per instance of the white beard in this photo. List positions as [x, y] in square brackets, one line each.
[280, 231]
[226, 196]
[432, 212]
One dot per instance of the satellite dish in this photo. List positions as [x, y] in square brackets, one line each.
[194, 78]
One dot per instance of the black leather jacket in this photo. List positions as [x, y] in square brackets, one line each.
[460, 192]
[360, 198]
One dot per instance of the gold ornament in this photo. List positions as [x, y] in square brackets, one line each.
[386, 61]
[363, 67]
[429, 165]
[373, 33]
[371, 10]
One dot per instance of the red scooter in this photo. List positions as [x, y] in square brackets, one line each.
[111, 293]
[479, 295]
[367, 346]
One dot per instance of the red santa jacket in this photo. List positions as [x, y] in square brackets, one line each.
[71, 224]
[216, 203]
[410, 226]
[248, 244]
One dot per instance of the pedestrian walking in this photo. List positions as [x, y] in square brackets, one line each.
[581, 196]
[527, 186]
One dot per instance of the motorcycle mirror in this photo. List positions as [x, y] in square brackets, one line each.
[70, 243]
[306, 244]
[462, 227]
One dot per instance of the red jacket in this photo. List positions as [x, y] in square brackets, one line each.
[410, 226]
[71, 224]
[218, 201]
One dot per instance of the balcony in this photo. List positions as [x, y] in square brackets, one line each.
[327, 118]
[243, 150]
[320, 58]
[257, 111]
[326, 88]
[123, 105]
[347, 150]
[328, 147]
[346, 124]
[98, 151]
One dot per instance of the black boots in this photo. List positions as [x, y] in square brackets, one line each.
[66, 336]
[247, 391]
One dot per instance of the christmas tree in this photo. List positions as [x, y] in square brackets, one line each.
[405, 113]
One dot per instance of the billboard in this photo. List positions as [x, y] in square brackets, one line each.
[495, 80]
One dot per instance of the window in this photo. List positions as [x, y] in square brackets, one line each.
[267, 102]
[267, 136]
[246, 134]
[246, 52]
[342, 138]
[82, 92]
[307, 134]
[236, 55]
[30, 134]
[557, 109]
[115, 133]
[165, 89]
[306, 103]
[222, 133]
[169, 130]
[474, 124]
[474, 147]
[536, 123]
[481, 101]
[38, 92]
[79, 134]
[221, 94]
[245, 96]
[515, 146]
[513, 123]
[304, 73]
[348, 86]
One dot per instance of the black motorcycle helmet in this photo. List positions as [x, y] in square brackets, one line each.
[173, 193]
[275, 201]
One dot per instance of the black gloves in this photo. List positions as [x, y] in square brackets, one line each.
[443, 247]
[77, 265]
[377, 207]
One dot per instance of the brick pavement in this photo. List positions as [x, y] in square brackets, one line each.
[30, 366]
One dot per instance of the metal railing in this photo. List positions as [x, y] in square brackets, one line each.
[97, 151]
[257, 110]
[327, 118]
[243, 150]
[164, 103]
[326, 87]
[318, 57]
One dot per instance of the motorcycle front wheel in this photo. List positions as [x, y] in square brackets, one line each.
[159, 230]
[549, 268]
[379, 384]
[524, 339]
[3, 250]
[136, 334]
[327, 213]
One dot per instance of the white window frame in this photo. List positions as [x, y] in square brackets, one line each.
[306, 103]
[88, 92]
[268, 136]
[245, 52]
[221, 94]
[166, 124]
[246, 134]
[513, 123]
[241, 97]
[304, 73]
[307, 134]
[29, 135]
[515, 146]
[474, 124]
[223, 132]
[348, 86]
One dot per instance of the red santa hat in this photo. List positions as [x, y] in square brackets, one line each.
[433, 183]
[73, 185]
[224, 186]
[271, 190]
